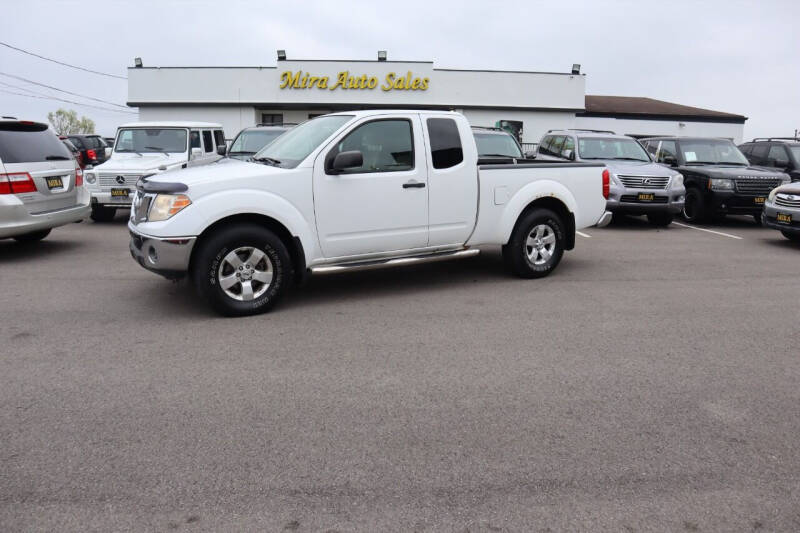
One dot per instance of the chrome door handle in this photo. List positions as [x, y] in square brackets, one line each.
[413, 184]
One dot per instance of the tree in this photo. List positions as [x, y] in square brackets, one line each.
[66, 122]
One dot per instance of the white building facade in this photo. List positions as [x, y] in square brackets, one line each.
[529, 103]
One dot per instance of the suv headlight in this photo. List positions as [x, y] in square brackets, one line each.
[167, 205]
[721, 184]
[90, 177]
[677, 181]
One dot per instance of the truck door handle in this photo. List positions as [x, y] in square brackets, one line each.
[413, 184]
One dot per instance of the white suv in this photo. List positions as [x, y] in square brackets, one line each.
[41, 184]
[145, 148]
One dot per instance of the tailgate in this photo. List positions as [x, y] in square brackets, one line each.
[55, 185]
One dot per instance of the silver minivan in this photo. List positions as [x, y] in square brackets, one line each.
[41, 184]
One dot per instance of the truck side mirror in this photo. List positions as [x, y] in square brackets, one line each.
[222, 150]
[345, 160]
[197, 153]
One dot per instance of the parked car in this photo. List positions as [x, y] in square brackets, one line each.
[144, 148]
[356, 189]
[109, 142]
[76, 154]
[782, 210]
[41, 185]
[718, 178]
[496, 145]
[251, 140]
[92, 147]
[638, 185]
[780, 153]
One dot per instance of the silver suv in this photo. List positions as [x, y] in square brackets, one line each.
[638, 186]
[41, 184]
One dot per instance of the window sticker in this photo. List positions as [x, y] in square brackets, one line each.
[690, 156]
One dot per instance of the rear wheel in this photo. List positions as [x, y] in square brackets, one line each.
[791, 235]
[694, 208]
[660, 219]
[242, 270]
[536, 244]
[102, 213]
[32, 237]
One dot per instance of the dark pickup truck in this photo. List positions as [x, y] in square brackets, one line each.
[718, 178]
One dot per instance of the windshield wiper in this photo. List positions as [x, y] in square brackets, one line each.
[268, 160]
[238, 152]
[630, 159]
[156, 149]
[56, 158]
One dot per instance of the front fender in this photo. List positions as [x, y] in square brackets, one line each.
[527, 195]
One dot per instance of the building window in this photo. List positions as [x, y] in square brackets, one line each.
[271, 118]
[445, 142]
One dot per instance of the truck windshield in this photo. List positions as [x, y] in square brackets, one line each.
[288, 150]
[609, 148]
[251, 141]
[497, 144]
[711, 151]
[139, 140]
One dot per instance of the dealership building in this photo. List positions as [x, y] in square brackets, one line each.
[526, 103]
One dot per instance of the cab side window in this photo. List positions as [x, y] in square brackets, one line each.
[777, 156]
[208, 141]
[386, 146]
[446, 149]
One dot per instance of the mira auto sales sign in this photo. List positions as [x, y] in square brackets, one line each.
[344, 80]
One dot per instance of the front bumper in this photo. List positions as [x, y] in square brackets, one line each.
[15, 219]
[628, 201]
[735, 203]
[769, 217]
[168, 257]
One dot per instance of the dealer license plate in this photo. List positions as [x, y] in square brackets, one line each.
[783, 217]
[759, 200]
[119, 195]
[646, 197]
[55, 183]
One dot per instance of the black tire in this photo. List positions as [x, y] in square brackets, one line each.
[694, 208]
[210, 262]
[660, 219]
[516, 252]
[791, 235]
[103, 214]
[757, 218]
[35, 236]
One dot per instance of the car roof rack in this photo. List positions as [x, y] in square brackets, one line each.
[759, 139]
[583, 129]
[276, 124]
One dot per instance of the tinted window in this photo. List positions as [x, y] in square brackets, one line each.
[219, 137]
[667, 152]
[777, 156]
[386, 146]
[746, 149]
[151, 140]
[208, 141]
[195, 139]
[544, 147]
[759, 154]
[20, 143]
[445, 142]
[251, 141]
[78, 142]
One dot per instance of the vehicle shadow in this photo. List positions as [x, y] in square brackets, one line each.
[12, 251]
[631, 222]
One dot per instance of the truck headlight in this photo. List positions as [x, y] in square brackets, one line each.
[90, 177]
[677, 181]
[721, 184]
[167, 205]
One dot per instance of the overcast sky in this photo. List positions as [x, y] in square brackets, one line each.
[735, 56]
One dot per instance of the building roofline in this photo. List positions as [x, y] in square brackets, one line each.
[262, 67]
[349, 105]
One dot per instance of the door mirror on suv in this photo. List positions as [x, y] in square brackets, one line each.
[345, 160]
[108, 152]
[222, 150]
[669, 160]
[569, 154]
[197, 153]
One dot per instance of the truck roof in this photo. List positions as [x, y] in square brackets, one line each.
[373, 112]
[171, 124]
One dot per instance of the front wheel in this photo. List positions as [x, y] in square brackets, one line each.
[242, 270]
[32, 237]
[694, 207]
[660, 219]
[536, 244]
[791, 235]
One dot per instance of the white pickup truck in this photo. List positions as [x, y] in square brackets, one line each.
[356, 189]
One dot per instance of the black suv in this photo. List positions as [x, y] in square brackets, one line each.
[781, 153]
[92, 147]
[251, 140]
[718, 178]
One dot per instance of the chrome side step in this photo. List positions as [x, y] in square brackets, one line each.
[395, 261]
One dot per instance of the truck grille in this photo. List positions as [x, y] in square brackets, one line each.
[634, 199]
[644, 182]
[787, 200]
[756, 185]
[110, 180]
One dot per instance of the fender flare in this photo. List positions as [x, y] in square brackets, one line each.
[526, 196]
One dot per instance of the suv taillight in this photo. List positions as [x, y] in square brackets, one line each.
[606, 183]
[78, 176]
[91, 154]
[16, 183]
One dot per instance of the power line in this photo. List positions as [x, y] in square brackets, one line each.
[68, 101]
[62, 90]
[62, 63]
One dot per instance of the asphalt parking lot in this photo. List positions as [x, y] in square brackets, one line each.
[651, 383]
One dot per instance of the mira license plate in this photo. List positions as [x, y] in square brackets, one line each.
[120, 193]
[646, 197]
[783, 217]
[55, 183]
[759, 200]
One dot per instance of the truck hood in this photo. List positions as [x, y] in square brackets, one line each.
[636, 167]
[222, 174]
[133, 163]
[728, 171]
